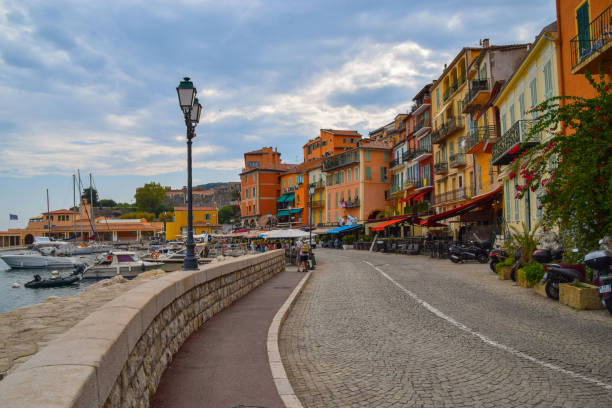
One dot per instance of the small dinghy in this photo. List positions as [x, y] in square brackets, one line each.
[56, 281]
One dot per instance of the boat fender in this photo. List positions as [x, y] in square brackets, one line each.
[15, 285]
[142, 266]
[155, 255]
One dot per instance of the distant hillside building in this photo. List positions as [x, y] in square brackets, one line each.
[227, 194]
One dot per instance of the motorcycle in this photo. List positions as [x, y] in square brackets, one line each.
[556, 273]
[496, 256]
[476, 250]
[601, 262]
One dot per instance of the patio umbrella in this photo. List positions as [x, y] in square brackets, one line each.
[286, 233]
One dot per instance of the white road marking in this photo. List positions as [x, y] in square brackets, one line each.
[487, 340]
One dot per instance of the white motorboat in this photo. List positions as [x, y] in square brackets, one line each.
[125, 263]
[27, 260]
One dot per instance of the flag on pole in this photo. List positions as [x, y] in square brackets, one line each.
[13, 217]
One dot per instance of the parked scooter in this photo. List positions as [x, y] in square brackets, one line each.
[496, 256]
[475, 251]
[554, 274]
[601, 262]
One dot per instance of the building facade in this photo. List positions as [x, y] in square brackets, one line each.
[205, 221]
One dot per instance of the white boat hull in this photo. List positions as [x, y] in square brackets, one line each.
[127, 271]
[27, 261]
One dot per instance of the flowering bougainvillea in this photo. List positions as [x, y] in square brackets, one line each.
[570, 167]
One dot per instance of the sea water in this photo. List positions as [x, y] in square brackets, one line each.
[13, 298]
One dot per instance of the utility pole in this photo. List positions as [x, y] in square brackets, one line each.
[74, 205]
[48, 216]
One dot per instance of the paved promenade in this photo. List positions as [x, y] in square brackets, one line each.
[225, 363]
[377, 330]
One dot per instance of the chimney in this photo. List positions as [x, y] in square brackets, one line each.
[484, 43]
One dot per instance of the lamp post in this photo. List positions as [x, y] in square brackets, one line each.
[310, 194]
[191, 111]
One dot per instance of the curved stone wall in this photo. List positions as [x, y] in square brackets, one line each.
[116, 356]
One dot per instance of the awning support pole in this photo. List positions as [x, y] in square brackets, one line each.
[373, 242]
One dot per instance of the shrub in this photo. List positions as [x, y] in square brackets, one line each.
[532, 273]
[348, 239]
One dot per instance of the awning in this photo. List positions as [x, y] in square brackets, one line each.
[462, 209]
[281, 199]
[287, 198]
[406, 199]
[344, 228]
[295, 210]
[282, 213]
[383, 225]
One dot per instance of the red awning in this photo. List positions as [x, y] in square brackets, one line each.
[485, 199]
[404, 200]
[383, 225]
[420, 195]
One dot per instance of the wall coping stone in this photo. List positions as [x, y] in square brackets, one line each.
[79, 368]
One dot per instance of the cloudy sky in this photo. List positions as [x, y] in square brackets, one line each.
[91, 84]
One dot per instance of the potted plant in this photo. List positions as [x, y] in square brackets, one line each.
[347, 241]
[504, 268]
[529, 275]
[580, 295]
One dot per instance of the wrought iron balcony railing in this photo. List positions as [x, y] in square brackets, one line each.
[479, 135]
[423, 150]
[318, 203]
[462, 193]
[456, 160]
[340, 160]
[318, 184]
[351, 203]
[476, 86]
[396, 162]
[396, 188]
[450, 126]
[440, 167]
[515, 140]
[592, 39]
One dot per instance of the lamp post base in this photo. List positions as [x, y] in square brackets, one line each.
[190, 263]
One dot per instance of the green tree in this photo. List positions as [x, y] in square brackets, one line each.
[571, 171]
[226, 214]
[107, 203]
[139, 214]
[166, 216]
[86, 195]
[149, 198]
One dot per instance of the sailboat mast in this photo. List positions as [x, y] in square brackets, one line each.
[91, 202]
[80, 203]
[48, 215]
[74, 205]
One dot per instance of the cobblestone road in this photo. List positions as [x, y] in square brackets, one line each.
[356, 339]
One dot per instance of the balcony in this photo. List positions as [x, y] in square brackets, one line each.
[459, 194]
[453, 88]
[480, 139]
[441, 167]
[513, 142]
[340, 160]
[318, 184]
[396, 162]
[351, 203]
[422, 153]
[396, 188]
[591, 43]
[318, 203]
[477, 95]
[422, 105]
[452, 125]
[421, 128]
[408, 155]
[456, 160]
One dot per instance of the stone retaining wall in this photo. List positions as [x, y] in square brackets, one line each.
[117, 355]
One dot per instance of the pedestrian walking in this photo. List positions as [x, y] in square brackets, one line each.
[298, 253]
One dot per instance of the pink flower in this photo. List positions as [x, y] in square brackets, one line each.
[598, 107]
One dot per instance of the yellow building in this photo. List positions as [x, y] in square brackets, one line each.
[205, 221]
[534, 80]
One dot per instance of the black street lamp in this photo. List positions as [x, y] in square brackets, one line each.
[191, 110]
[310, 194]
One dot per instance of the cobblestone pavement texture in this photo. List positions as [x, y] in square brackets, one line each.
[25, 330]
[354, 339]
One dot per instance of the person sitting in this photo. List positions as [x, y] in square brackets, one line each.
[304, 255]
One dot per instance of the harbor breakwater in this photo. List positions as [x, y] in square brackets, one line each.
[117, 354]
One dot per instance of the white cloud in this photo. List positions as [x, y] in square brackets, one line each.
[252, 138]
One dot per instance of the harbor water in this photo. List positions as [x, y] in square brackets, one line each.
[13, 298]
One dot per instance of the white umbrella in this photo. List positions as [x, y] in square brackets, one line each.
[286, 233]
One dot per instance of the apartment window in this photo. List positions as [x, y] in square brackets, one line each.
[356, 194]
[328, 217]
[206, 216]
[348, 194]
[582, 25]
[328, 199]
[533, 89]
[522, 105]
[336, 199]
[548, 81]
[356, 172]
[517, 202]
[385, 157]
[368, 173]
[246, 193]
[342, 196]
[367, 155]
[401, 178]
[386, 194]
[342, 177]
[512, 115]
[254, 191]
[349, 175]
[507, 199]
[438, 98]
[383, 174]
[297, 197]
[504, 123]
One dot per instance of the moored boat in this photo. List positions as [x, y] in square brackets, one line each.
[125, 263]
[27, 260]
[53, 282]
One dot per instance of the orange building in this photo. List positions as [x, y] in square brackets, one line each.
[357, 181]
[293, 204]
[584, 43]
[330, 142]
[260, 186]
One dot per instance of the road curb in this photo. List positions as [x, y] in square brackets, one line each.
[279, 375]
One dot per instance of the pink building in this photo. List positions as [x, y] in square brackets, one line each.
[358, 181]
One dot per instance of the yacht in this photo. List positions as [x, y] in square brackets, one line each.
[32, 259]
[125, 263]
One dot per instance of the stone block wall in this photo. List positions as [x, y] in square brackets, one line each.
[117, 355]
